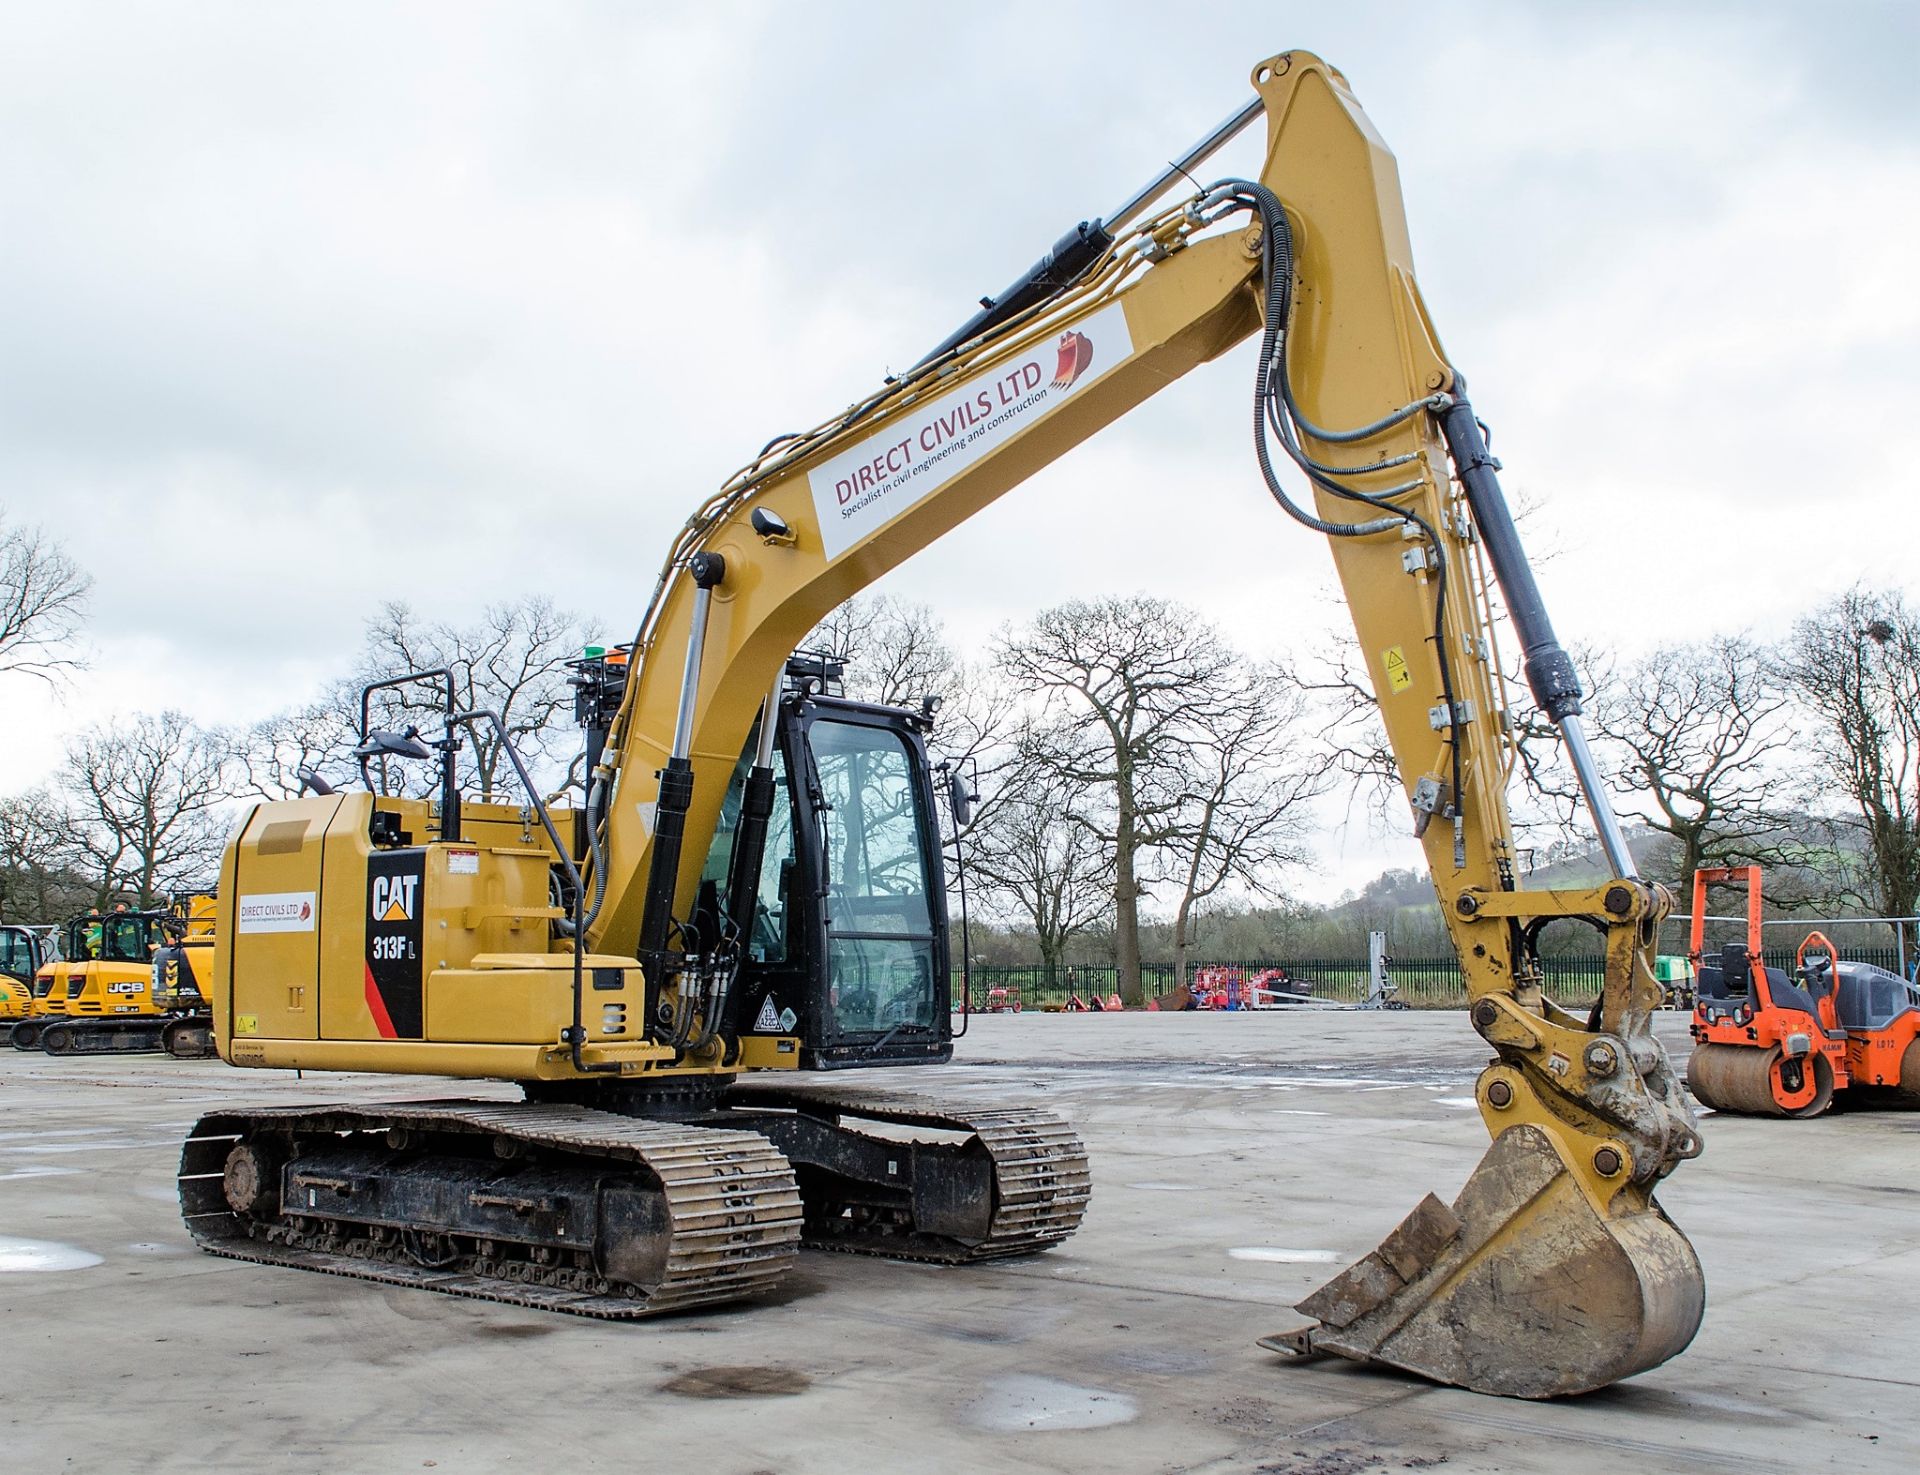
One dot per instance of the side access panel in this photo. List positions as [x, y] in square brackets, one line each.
[279, 874]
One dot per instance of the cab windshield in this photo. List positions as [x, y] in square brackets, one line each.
[880, 942]
[118, 937]
[16, 954]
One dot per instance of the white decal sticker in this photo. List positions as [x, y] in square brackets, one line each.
[463, 862]
[279, 911]
[768, 1021]
[885, 474]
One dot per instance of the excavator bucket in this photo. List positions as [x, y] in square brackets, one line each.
[1524, 1287]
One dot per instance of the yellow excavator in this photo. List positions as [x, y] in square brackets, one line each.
[86, 943]
[749, 889]
[181, 982]
[23, 952]
[114, 995]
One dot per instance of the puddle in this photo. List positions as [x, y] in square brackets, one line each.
[1167, 1187]
[1464, 1101]
[738, 1382]
[23, 1255]
[1281, 1256]
[1022, 1401]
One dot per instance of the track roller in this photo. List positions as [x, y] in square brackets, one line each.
[25, 1034]
[1761, 1082]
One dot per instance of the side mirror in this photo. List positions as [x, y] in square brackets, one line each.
[959, 800]
[392, 744]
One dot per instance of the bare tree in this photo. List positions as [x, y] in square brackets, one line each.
[895, 651]
[43, 598]
[1693, 738]
[37, 859]
[1132, 675]
[271, 755]
[146, 795]
[1854, 666]
[512, 660]
[1036, 863]
[1245, 789]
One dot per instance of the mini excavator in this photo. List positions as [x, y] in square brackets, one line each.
[110, 995]
[749, 889]
[23, 952]
[1773, 1042]
[108, 948]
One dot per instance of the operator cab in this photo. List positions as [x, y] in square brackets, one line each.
[848, 948]
[117, 937]
[19, 954]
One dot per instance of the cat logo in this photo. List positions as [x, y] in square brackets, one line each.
[393, 898]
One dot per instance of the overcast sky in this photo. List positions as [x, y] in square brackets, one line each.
[304, 308]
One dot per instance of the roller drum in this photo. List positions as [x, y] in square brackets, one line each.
[1907, 1093]
[1760, 1082]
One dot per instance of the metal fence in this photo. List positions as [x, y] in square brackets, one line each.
[1425, 983]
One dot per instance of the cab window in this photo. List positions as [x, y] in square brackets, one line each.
[880, 943]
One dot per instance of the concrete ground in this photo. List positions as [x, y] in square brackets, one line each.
[1238, 1161]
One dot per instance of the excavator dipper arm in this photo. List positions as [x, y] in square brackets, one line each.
[1554, 1271]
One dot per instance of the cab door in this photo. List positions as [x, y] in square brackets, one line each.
[879, 888]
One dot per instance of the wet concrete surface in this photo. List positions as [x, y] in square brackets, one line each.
[1238, 1161]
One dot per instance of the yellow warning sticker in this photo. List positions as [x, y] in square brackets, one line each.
[246, 1024]
[1394, 658]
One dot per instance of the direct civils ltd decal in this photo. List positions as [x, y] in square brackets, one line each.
[874, 481]
[396, 883]
[277, 911]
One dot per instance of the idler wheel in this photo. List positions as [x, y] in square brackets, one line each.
[251, 1181]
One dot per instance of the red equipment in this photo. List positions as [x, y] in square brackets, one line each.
[1770, 1044]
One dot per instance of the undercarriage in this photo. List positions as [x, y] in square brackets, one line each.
[662, 1203]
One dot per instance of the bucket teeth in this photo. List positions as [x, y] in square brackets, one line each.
[1522, 1288]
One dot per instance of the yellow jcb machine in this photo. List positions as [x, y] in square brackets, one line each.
[182, 979]
[105, 996]
[751, 889]
[83, 941]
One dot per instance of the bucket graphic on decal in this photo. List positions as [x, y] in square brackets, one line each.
[1076, 357]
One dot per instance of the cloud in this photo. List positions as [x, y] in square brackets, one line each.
[306, 309]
